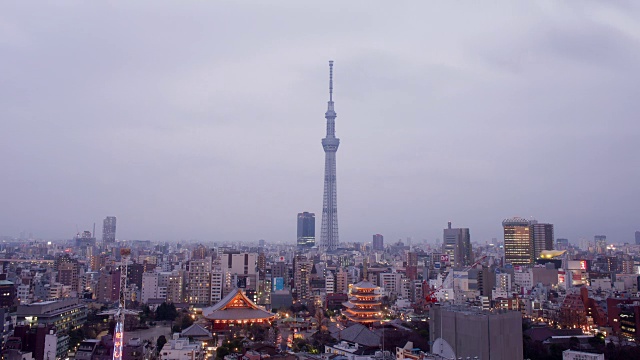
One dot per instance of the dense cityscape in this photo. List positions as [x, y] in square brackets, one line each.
[529, 295]
[164, 194]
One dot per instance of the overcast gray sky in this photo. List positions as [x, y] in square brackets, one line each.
[203, 119]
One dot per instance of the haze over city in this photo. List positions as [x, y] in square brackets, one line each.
[203, 120]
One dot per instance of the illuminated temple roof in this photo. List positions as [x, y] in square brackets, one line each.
[365, 285]
[236, 306]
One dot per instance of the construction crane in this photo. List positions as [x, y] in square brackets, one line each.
[447, 283]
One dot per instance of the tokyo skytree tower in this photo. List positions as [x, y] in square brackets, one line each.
[329, 237]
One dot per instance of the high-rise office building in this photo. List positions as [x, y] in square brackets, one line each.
[518, 241]
[240, 271]
[306, 229]
[175, 287]
[85, 244]
[329, 232]
[341, 279]
[562, 244]
[542, 237]
[68, 271]
[149, 288]
[637, 237]
[412, 265]
[108, 287]
[199, 281]
[378, 242]
[302, 277]
[457, 244]
[600, 243]
[200, 252]
[109, 230]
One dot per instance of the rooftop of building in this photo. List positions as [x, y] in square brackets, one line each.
[195, 330]
[473, 310]
[357, 333]
[48, 308]
[516, 220]
[236, 306]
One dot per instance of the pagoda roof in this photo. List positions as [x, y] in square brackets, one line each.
[236, 306]
[365, 285]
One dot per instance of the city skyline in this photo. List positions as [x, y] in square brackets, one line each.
[177, 135]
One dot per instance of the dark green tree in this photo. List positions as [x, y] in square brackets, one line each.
[160, 343]
[186, 321]
[574, 343]
[166, 312]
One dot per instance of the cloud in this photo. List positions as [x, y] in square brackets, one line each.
[203, 120]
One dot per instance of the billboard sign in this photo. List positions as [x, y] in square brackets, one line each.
[278, 283]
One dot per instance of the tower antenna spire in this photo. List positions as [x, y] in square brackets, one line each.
[330, 80]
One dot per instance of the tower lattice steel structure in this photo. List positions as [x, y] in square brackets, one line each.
[329, 233]
[120, 313]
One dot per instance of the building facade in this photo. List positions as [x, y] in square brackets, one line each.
[542, 238]
[457, 244]
[65, 315]
[600, 242]
[302, 278]
[518, 242]
[109, 230]
[306, 230]
[495, 335]
[199, 284]
[149, 287]
[378, 242]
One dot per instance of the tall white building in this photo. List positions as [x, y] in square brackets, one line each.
[391, 284]
[175, 285]
[149, 287]
[329, 283]
[24, 294]
[302, 278]
[199, 285]
[503, 282]
[342, 281]
[240, 270]
[217, 284]
[523, 278]
[163, 284]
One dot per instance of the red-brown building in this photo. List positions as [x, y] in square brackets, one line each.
[593, 309]
[573, 312]
[624, 316]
